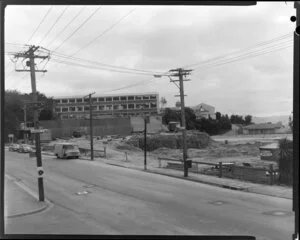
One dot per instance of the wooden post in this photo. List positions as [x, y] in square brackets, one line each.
[220, 169]
[159, 162]
[271, 174]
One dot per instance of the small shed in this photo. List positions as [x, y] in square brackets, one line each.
[270, 152]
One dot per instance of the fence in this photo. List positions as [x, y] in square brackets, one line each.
[97, 153]
[229, 170]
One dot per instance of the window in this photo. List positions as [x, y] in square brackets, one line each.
[72, 100]
[79, 100]
[138, 98]
[108, 99]
[153, 105]
[123, 106]
[131, 98]
[116, 98]
[146, 97]
[65, 109]
[131, 106]
[86, 108]
[64, 100]
[101, 99]
[94, 99]
[79, 109]
[57, 109]
[146, 105]
[123, 98]
[86, 100]
[101, 108]
[116, 107]
[94, 108]
[72, 109]
[108, 107]
[57, 101]
[153, 97]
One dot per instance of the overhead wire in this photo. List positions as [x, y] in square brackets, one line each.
[43, 19]
[53, 25]
[67, 25]
[77, 29]
[281, 37]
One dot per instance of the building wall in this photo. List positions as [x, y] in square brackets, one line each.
[107, 106]
[101, 127]
[154, 125]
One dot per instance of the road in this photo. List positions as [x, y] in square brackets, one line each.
[124, 201]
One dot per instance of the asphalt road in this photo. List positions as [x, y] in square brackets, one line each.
[125, 201]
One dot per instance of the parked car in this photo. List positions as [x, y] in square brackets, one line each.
[14, 147]
[24, 148]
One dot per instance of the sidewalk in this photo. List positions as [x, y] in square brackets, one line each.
[276, 191]
[18, 201]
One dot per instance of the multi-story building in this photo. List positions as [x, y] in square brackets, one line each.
[121, 105]
[204, 111]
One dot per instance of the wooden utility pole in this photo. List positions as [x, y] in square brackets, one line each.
[296, 120]
[145, 143]
[91, 124]
[25, 122]
[30, 54]
[182, 73]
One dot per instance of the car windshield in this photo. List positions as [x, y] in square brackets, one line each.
[70, 147]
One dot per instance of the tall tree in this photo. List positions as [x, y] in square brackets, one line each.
[218, 115]
[163, 101]
[248, 119]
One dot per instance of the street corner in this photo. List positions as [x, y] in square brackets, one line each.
[20, 201]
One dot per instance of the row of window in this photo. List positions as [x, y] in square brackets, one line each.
[106, 99]
[106, 107]
[104, 114]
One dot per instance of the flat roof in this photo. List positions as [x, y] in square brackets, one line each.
[109, 95]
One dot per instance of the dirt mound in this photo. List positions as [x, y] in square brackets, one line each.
[127, 147]
[173, 141]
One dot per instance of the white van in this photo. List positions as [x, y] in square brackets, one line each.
[66, 150]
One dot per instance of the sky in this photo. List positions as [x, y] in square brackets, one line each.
[155, 39]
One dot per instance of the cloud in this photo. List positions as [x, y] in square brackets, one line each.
[158, 38]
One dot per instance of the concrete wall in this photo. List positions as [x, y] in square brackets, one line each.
[154, 125]
[111, 126]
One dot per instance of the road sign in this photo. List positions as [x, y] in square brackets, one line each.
[40, 172]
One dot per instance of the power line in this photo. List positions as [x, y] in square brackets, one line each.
[105, 31]
[53, 25]
[239, 59]
[68, 24]
[281, 37]
[105, 65]
[246, 54]
[100, 68]
[80, 26]
[40, 24]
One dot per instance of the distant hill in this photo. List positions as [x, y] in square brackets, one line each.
[273, 119]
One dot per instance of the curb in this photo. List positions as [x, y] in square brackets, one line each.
[237, 188]
[47, 203]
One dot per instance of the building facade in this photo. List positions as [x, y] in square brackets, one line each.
[107, 106]
[263, 128]
[204, 111]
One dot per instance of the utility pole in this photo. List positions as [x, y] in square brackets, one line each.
[296, 118]
[91, 124]
[182, 73]
[30, 54]
[25, 122]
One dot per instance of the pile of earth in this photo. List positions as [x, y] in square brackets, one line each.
[171, 140]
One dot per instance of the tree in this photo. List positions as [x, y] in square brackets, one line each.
[286, 161]
[190, 118]
[248, 119]
[163, 101]
[218, 115]
[170, 115]
[291, 122]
